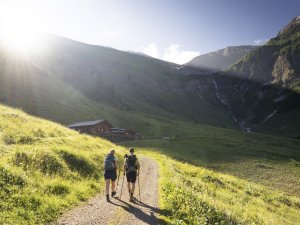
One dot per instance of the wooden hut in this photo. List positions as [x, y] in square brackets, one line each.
[94, 127]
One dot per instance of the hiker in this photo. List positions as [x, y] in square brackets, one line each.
[132, 167]
[110, 173]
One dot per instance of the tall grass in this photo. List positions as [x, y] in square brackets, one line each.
[268, 160]
[45, 168]
[195, 195]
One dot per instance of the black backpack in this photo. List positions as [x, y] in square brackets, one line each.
[131, 163]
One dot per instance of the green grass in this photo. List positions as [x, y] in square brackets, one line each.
[46, 169]
[195, 195]
[40, 163]
[268, 160]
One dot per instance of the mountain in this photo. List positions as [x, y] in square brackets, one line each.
[262, 89]
[218, 60]
[68, 81]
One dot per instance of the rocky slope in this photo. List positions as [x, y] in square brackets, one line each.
[261, 90]
[216, 61]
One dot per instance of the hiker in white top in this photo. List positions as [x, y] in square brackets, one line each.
[110, 173]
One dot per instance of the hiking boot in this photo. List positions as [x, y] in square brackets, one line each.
[107, 198]
[131, 198]
[113, 193]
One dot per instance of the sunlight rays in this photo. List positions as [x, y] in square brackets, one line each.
[21, 32]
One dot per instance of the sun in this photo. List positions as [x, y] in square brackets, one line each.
[20, 31]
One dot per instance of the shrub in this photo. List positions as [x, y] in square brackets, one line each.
[48, 163]
[80, 164]
[11, 138]
[8, 178]
[213, 180]
[45, 162]
[58, 189]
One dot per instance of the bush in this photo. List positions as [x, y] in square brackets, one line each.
[8, 178]
[11, 138]
[80, 164]
[213, 180]
[45, 162]
[58, 189]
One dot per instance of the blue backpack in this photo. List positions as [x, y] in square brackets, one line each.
[109, 162]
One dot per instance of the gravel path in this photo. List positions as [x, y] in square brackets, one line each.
[120, 211]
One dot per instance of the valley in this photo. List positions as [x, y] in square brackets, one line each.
[220, 134]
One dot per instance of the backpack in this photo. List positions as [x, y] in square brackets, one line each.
[109, 162]
[131, 163]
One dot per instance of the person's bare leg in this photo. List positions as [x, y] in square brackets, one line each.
[113, 186]
[107, 181]
[132, 187]
[107, 186]
[129, 187]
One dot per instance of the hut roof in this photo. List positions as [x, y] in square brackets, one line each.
[85, 123]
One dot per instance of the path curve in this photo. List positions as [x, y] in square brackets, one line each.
[121, 211]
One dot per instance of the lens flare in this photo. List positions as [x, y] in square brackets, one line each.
[20, 31]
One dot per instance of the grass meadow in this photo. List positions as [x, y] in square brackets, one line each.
[207, 175]
[195, 195]
[45, 168]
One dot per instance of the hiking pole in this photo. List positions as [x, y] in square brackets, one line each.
[125, 156]
[139, 187]
[118, 179]
[122, 185]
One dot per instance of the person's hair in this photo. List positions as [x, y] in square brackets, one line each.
[131, 150]
[112, 151]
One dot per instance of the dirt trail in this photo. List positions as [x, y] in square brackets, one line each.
[121, 211]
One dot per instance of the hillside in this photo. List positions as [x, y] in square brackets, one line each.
[218, 60]
[68, 81]
[40, 163]
[261, 90]
[46, 169]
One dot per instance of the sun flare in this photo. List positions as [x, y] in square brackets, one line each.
[20, 31]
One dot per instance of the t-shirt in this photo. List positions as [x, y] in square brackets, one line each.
[136, 163]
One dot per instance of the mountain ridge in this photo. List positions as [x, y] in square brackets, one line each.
[216, 61]
[70, 81]
[125, 88]
[266, 84]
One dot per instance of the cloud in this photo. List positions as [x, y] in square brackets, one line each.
[151, 50]
[112, 32]
[173, 53]
[261, 41]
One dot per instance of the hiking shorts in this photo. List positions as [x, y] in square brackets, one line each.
[110, 174]
[131, 176]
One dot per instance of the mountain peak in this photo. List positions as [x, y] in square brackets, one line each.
[295, 22]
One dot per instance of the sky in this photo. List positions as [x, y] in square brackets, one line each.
[172, 30]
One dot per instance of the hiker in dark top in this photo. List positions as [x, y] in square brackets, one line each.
[132, 167]
[110, 173]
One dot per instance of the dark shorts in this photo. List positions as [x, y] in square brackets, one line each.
[110, 174]
[131, 176]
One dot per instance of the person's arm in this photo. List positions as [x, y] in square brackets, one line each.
[116, 163]
[124, 166]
